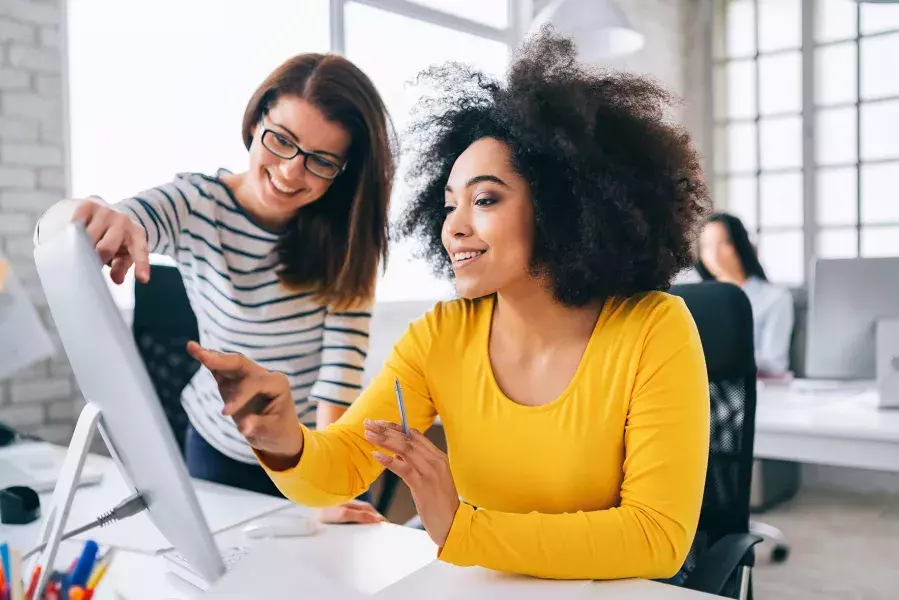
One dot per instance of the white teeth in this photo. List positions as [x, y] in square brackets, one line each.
[279, 185]
[466, 255]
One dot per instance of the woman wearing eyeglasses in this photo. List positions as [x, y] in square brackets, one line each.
[279, 261]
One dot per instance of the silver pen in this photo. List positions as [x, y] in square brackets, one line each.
[399, 401]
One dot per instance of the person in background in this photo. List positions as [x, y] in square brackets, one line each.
[572, 390]
[726, 254]
[279, 262]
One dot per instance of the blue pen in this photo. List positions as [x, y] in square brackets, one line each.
[85, 565]
[4, 556]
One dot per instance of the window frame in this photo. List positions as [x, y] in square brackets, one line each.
[812, 229]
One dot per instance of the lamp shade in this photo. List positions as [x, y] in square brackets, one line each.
[598, 27]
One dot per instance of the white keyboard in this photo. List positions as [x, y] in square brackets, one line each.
[231, 556]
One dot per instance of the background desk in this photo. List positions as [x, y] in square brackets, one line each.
[370, 558]
[840, 427]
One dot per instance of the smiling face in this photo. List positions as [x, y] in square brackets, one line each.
[281, 186]
[489, 226]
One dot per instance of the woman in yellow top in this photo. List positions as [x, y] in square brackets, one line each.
[572, 390]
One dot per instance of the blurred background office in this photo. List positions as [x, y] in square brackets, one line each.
[794, 105]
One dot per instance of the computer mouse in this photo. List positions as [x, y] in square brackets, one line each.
[282, 526]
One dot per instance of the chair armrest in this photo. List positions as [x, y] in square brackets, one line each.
[716, 566]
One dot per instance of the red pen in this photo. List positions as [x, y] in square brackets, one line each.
[33, 585]
[52, 592]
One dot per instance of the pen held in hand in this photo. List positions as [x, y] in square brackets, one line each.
[402, 406]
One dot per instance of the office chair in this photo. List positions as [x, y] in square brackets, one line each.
[163, 324]
[721, 558]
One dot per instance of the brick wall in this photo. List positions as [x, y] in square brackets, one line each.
[42, 399]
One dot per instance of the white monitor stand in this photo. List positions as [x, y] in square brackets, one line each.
[53, 527]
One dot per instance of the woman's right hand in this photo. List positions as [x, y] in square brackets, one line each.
[261, 404]
[120, 242]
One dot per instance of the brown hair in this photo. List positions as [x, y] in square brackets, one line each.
[336, 243]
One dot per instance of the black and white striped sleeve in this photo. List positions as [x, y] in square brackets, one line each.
[162, 212]
[345, 346]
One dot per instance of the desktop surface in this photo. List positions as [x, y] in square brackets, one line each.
[840, 424]
[380, 561]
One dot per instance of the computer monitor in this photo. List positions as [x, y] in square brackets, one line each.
[112, 376]
[846, 299]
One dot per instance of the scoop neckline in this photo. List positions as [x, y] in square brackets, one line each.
[484, 343]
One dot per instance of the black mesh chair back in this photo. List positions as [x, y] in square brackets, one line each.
[723, 317]
[163, 324]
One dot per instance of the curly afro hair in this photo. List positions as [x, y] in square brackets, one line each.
[618, 192]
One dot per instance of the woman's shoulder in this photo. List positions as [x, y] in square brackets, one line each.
[647, 307]
[204, 185]
[458, 315]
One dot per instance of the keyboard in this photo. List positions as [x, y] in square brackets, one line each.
[231, 556]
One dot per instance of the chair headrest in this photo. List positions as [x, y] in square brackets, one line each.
[723, 317]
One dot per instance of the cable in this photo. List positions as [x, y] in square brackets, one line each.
[126, 508]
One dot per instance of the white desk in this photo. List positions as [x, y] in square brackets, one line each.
[840, 427]
[388, 560]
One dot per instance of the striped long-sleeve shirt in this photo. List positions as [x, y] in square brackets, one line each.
[228, 263]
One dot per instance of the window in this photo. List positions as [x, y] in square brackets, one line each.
[157, 88]
[758, 87]
[842, 118]
[857, 129]
[181, 82]
[393, 61]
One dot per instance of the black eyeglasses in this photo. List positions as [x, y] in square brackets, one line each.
[317, 164]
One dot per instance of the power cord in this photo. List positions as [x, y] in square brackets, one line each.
[126, 508]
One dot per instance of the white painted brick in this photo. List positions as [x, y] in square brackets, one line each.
[43, 13]
[66, 410]
[11, 223]
[52, 388]
[14, 79]
[38, 370]
[37, 155]
[31, 106]
[49, 86]
[50, 37]
[4, 394]
[37, 59]
[60, 433]
[22, 416]
[53, 179]
[17, 130]
[60, 369]
[17, 177]
[12, 31]
[52, 133]
[27, 200]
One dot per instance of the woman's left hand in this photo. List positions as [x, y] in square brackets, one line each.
[354, 511]
[424, 468]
